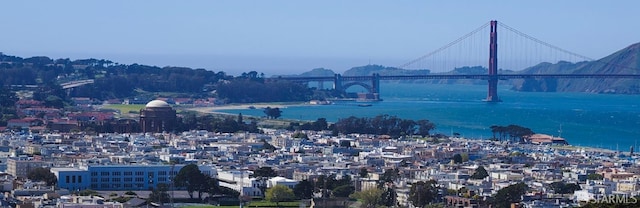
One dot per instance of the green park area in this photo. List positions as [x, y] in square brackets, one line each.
[125, 109]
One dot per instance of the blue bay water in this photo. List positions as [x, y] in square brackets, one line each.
[595, 120]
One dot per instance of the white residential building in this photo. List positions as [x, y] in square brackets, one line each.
[239, 181]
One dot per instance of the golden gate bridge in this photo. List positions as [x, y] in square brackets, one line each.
[440, 57]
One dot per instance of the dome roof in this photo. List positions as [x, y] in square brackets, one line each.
[157, 104]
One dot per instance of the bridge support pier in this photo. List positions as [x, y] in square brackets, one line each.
[492, 93]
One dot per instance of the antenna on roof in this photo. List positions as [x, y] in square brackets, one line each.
[560, 131]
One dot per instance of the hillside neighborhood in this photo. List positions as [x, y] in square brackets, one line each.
[321, 169]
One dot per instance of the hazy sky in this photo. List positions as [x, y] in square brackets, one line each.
[278, 37]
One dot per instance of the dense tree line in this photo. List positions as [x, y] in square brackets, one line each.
[7, 105]
[511, 132]
[30, 71]
[225, 124]
[422, 193]
[187, 121]
[560, 187]
[242, 90]
[319, 125]
[43, 174]
[508, 195]
[595, 176]
[113, 80]
[384, 125]
[272, 113]
[325, 186]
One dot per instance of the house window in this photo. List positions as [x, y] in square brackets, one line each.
[104, 173]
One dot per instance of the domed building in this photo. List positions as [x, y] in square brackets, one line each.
[157, 116]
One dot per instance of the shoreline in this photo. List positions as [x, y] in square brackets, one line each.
[218, 108]
[567, 147]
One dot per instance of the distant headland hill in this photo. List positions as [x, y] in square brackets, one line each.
[624, 61]
[114, 80]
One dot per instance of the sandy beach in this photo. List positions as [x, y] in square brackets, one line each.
[215, 109]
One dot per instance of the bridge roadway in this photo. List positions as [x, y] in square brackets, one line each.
[372, 83]
[77, 83]
[463, 76]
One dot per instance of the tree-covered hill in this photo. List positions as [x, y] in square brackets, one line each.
[113, 80]
[382, 70]
[317, 72]
[625, 61]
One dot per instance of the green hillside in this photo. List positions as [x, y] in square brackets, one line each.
[625, 61]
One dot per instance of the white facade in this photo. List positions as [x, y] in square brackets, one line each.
[239, 181]
[281, 181]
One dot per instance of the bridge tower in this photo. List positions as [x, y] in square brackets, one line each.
[337, 82]
[492, 93]
[375, 83]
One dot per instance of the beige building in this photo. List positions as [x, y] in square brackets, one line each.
[32, 149]
[19, 168]
[627, 186]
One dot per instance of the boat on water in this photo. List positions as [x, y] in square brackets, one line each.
[320, 102]
[364, 105]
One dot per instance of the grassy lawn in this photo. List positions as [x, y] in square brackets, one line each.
[124, 109]
[251, 204]
[273, 204]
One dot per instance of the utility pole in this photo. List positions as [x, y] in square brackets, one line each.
[241, 196]
[241, 187]
[324, 197]
[173, 165]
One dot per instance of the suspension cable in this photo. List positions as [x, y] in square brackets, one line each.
[542, 42]
[444, 47]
